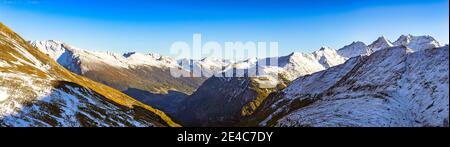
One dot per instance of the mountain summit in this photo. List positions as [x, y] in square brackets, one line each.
[417, 43]
[381, 43]
[354, 49]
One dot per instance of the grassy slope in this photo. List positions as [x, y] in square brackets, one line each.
[110, 93]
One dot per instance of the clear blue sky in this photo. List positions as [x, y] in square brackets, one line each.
[153, 25]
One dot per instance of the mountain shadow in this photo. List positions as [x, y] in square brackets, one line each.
[166, 102]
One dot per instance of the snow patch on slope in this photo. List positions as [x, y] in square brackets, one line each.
[3, 64]
[30, 59]
[320, 81]
[27, 88]
[3, 94]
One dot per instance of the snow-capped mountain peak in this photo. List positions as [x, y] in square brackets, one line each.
[417, 43]
[403, 40]
[52, 48]
[381, 43]
[328, 57]
[354, 49]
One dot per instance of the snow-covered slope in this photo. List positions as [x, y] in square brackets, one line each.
[391, 87]
[36, 91]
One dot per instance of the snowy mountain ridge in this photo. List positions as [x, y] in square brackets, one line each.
[415, 43]
[70, 57]
[66, 54]
[391, 87]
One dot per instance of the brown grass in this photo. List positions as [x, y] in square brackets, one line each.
[62, 74]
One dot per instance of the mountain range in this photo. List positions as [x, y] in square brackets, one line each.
[400, 83]
[392, 87]
[240, 101]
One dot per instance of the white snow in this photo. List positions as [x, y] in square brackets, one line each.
[3, 94]
[3, 63]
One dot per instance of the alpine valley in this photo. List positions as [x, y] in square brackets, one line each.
[404, 83]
